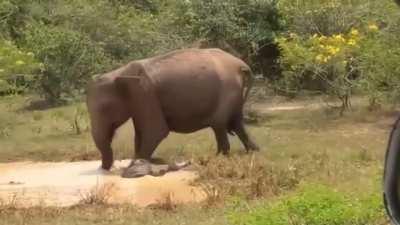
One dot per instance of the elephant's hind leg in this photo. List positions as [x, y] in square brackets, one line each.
[222, 140]
[238, 128]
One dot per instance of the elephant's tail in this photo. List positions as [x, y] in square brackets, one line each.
[391, 175]
[248, 79]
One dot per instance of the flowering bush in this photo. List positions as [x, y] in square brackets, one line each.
[16, 67]
[327, 62]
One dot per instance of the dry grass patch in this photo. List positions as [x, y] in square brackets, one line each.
[249, 176]
[98, 195]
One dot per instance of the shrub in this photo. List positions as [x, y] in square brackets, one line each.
[13, 16]
[69, 59]
[242, 27]
[314, 205]
[324, 17]
[379, 57]
[16, 67]
[122, 31]
[325, 61]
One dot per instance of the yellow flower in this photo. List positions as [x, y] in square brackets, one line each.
[19, 62]
[351, 42]
[339, 37]
[373, 27]
[354, 32]
[322, 38]
[319, 58]
[334, 51]
[282, 39]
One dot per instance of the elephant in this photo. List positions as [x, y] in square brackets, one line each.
[180, 91]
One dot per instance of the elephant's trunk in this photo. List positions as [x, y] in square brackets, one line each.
[391, 175]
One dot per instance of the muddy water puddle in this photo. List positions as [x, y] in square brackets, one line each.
[27, 184]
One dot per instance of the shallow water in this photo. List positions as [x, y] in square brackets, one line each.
[26, 184]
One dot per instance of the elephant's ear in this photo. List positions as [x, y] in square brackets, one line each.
[140, 96]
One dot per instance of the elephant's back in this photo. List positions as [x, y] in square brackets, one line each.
[188, 86]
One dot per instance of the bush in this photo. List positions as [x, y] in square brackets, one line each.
[379, 58]
[369, 69]
[16, 68]
[69, 58]
[242, 27]
[314, 205]
[13, 16]
[324, 17]
[327, 62]
[122, 31]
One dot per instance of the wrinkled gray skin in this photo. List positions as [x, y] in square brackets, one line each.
[182, 91]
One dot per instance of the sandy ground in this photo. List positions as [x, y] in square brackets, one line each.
[26, 184]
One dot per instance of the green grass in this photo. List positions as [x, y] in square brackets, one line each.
[314, 205]
[297, 147]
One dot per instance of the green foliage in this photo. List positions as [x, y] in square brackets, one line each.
[314, 205]
[124, 32]
[242, 27]
[379, 58]
[107, 33]
[324, 17]
[16, 67]
[69, 59]
[13, 16]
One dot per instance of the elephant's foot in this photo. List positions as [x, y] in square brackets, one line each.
[141, 167]
[251, 146]
[137, 168]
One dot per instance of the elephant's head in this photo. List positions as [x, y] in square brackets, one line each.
[115, 97]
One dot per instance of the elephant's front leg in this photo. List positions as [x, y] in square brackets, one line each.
[137, 147]
[102, 135]
[137, 143]
[145, 145]
[148, 143]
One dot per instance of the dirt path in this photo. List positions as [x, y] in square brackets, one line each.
[278, 104]
[29, 184]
